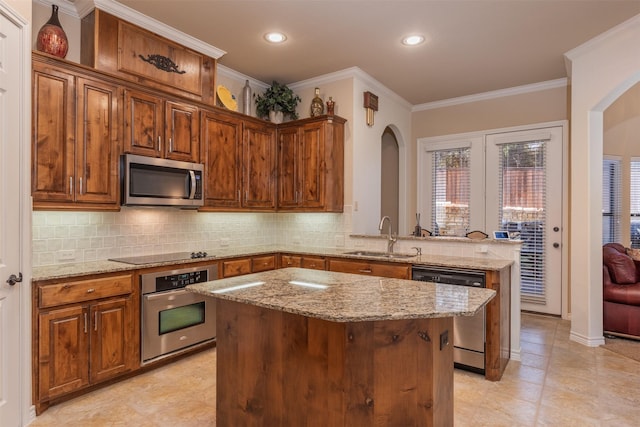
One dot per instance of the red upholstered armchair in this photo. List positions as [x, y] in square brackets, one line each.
[621, 291]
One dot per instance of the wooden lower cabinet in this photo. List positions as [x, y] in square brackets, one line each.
[303, 261]
[240, 266]
[80, 344]
[369, 268]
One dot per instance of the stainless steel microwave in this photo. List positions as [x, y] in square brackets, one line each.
[149, 181]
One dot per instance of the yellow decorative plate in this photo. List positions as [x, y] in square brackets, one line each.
[226, 98]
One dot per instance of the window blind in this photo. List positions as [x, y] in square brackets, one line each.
[522, 192]
[611, 200]
[635, 202]
[451, 191]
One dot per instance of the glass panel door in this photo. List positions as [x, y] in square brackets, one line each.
[524, 196]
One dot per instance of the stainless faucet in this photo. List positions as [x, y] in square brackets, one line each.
[391, 238]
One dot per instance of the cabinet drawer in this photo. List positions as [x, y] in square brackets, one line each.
[236, 267]
[371, 268]
[84, 290]
[290, 261]
[313, 262]
[264, 263]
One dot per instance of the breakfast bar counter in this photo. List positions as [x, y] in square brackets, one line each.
[307, 347]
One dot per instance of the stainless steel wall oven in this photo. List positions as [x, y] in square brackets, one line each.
[174, 319]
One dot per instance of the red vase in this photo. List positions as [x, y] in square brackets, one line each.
[51, 37]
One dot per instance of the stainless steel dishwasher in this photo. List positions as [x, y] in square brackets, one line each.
[468, 332]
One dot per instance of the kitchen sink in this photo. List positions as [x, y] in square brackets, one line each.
[380, 254]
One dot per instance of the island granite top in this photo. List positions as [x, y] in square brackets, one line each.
[343, 297]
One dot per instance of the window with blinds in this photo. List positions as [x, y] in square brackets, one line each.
[522, 192]
[611, 203]
[635, 202]
[451, 182]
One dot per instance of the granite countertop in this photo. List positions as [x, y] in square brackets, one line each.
[342, 297]
[62, 271]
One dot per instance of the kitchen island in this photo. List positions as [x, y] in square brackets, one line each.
[306, 347]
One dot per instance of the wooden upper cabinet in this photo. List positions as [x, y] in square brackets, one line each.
[157, 127]
[53, 134]
[221, 153]
[75, 140]
[97, 148]
[259, 166]
[143, 123]
[311, 164]
[132, 53]
[289, 178]
[181, 132]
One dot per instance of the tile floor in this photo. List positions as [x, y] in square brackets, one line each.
[557, 383]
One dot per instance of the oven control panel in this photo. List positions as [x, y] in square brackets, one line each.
[176, 279]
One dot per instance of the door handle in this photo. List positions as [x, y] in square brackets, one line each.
[556, 245]
[13, 279]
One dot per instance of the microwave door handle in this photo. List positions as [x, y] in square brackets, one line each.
[192, 193]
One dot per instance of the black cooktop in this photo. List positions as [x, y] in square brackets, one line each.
[151, 259]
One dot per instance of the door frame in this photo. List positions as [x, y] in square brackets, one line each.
[27, 409]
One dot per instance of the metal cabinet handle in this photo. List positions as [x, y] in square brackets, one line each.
[80, 185]
[170, 144]
[90, 290]
[85, 322]
[71, 185]
[365, 270]
[95, 321]
[159, 144]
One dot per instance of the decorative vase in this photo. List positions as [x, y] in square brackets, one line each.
[276, 116]
[51, 37]
[246, 99]
[330, 106]
[317, 106]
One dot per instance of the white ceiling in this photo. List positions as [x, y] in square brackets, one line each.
[473, 46]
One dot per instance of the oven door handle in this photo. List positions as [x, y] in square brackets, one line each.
[169, 295]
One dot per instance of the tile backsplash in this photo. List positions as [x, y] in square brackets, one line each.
[63, 237]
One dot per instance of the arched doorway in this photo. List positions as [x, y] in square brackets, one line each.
[389, 178]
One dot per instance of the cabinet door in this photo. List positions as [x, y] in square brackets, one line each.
[111, 338]
[259, 167]
[236, 267]
[313, 165]
[63, 351]
[221, 154]
[313, 262]
[290, 261]
[288, 167]
[143, 123]
[53, 135]
[181, 132]
[97, 147]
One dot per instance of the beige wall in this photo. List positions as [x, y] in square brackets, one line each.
[621, 138]
[23, 7]
[70, 25]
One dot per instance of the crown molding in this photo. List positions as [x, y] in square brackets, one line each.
[68, 7]
[236, 75]
[157, 27]
[597, 40]
[518, 90]
[354, 73]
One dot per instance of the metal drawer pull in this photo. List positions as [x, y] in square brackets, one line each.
[85, 323]
[71, 185]
[365, 270]
[90, 290]
[95, 321]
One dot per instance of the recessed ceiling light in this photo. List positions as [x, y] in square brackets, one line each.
[275, 37]
[412, 40]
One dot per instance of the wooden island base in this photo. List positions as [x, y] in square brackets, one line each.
[281, 369]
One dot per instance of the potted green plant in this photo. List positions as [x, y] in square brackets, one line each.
[277, 98]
